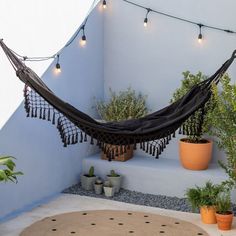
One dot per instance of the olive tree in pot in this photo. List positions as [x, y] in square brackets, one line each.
[223, 121]
[205, 199]
[115, 179]
[194, 150]
[8, 174]
[224, 214]
[88, 180]
[122, 106]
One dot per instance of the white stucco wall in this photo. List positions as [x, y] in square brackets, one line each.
[34, 28]
[152, 59]
[49, 167]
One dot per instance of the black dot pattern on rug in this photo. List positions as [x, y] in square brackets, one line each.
[107, 222]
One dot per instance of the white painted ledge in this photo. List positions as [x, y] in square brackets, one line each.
[149, 175]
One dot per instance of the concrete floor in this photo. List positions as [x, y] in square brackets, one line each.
[68, 203]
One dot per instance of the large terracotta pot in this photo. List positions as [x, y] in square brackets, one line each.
[224, 222]
[208, 214]
[195, 156]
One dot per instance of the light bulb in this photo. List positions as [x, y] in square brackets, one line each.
[200, 38]
[104, 4]
[57, 69]
[145, 23]
[83, 41]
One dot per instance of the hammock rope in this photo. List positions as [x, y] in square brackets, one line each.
[152, 132]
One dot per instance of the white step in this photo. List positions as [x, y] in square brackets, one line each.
[149, 175]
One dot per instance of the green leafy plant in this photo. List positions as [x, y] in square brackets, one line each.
[113, 174]
[187, 83]
[203, 196]
[223, 203]
[223, 122]
[8, 174]
[122, 106]
[91, 171]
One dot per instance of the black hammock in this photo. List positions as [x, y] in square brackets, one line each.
[152, 132]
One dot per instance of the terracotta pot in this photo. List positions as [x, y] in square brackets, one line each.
[208, 214]
[195, 156]
[224, 222]
[125, 156]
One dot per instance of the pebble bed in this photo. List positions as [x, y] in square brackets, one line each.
[133, 197]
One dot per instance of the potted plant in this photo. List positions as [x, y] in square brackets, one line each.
[88, 180]
[223, 121]
[98, 186]
[109, 190]
[115, 179]
[205, 199]
[8, 174]
[194, 150]
[122, 106]
[224, 214]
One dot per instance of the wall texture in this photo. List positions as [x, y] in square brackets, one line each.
[152, 59]
[49, 167]
[34, 28]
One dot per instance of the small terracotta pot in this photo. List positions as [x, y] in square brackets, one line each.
[195, 156]
[224, 222]
[208, 214]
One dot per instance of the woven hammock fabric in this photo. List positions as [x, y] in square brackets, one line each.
[152, 132]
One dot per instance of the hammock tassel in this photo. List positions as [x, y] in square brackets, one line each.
[81, 137]
[85, 137]
[44, 114]
[49, 115]
[53, 118]
[91, 141]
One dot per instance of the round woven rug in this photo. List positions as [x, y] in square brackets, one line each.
[112, 223]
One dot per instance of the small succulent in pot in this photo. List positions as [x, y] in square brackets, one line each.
[88, 180]
[115, 180]
[108, 188]
[98, 186]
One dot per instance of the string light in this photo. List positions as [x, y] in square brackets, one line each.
[83, 40]
[58, 66]
[200, 37]
[104, 4]
[145, 23]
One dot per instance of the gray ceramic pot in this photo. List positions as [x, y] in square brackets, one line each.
[87, 182]
[109, 191]
[98, 188]
[115, 182]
